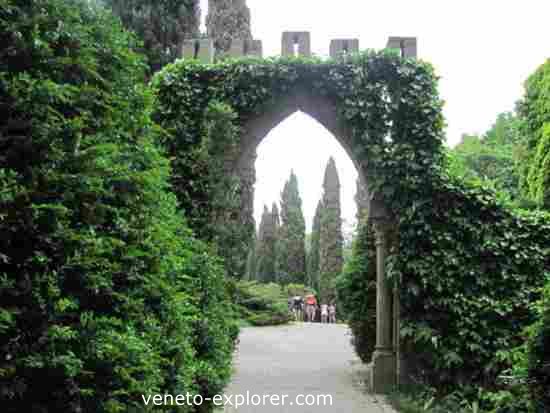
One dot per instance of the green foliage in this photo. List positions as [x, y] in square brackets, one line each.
[313, 253]
[539, 175]
[492, 159]
[426, 401]
[218, 147]
[261, 304]
[468, 399]
[330, 234]
[105, 294]
[535, 115]
[539, 357]
[293, 290]
[227, 20]
[267, 246]
[251, 261]
[356, 288]
[292, 253]
[477, 268]
[162, 25]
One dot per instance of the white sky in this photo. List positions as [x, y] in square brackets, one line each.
[483, 51]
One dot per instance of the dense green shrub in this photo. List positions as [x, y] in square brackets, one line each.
[469, 272]
[491, 158]
[261, 304]
[104, 293]
[301, 290]
[356, 288]
[539, 358]
[213, 158]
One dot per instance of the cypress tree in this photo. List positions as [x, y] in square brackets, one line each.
[259, 244]
[313, 256]
[331, 239]
[267, 245]
[162, 25]
[250, 273]
[227, 20]
[292, 258]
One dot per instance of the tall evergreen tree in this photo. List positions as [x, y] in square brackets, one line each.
[161, 24]
[227, 20]
[250, 273]
[313, 256]
[330, 240]
[259, 247]
[266, 260]
[292, 247]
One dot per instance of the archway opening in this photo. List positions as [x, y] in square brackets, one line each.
[305, 208]
[302, 144]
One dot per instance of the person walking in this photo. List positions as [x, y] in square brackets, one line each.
[311, 303]
[298, 307]
[324, 313]
[332, 313]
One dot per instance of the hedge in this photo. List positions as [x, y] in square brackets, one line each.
[105, 294]
[261, 304]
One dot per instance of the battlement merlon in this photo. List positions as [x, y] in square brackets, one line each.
[339, 47]
[241, 47]
[200, 49]
[293, 43]
[203, 49]
[300, 39]
[407, 45]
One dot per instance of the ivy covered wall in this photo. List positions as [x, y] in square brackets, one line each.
[466, 267]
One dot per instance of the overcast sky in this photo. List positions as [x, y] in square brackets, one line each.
[482, 50]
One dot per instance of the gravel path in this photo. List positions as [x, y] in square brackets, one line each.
[300, 359]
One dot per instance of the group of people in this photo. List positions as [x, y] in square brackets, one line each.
[307, 309]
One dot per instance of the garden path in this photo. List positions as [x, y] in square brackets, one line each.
[301, 359]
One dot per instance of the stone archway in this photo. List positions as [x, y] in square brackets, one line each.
[262, 93]
[385, 366]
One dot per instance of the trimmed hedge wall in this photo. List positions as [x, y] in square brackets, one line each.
[356, 289]
[105, 295]
[261, 304]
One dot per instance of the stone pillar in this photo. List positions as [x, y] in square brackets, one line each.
[383, 372]
[255, 48]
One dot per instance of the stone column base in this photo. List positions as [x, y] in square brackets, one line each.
[382, 373]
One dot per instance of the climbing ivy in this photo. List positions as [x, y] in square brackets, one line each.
[390, 106]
